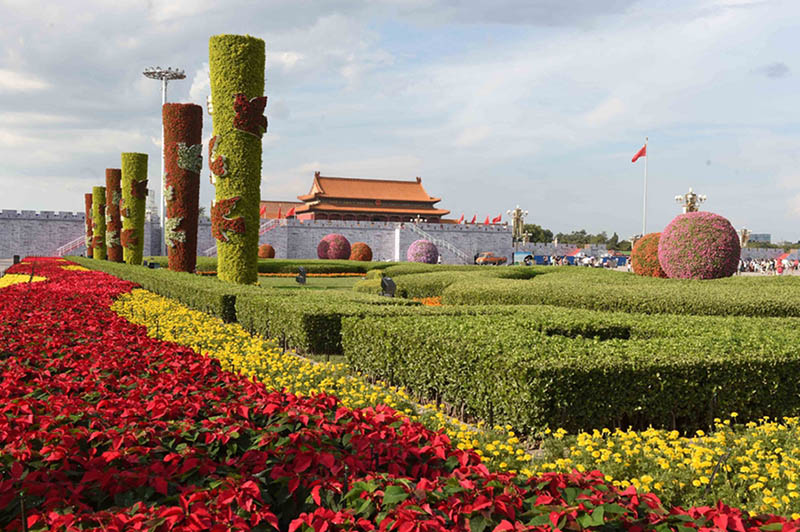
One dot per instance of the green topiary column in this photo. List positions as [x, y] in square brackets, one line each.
[113, 221]
[183, 161]
[87, 200]
[134, 196]
[236, 65]
[99, 222]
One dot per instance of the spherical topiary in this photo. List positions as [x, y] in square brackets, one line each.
[422, 251]
[265, 251]
[699, 245]
[644, 257]
[361, 251]
[334, 246]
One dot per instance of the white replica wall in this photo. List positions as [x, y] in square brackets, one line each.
[298, 240]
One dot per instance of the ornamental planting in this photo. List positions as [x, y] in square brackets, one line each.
[99, 222]
[699, 245]
[333, 246]
[134, 196]
[423, 251]
[183, 160]
[113, 220]
[87, 199]
[236, 65]
[361, 251]
[644, 256]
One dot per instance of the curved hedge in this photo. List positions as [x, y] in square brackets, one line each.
[266, 251]
[334, 246]
[99, 222]
[183, 161]
[423, 251]
[644, 256]
[134, 196]
[361, 251]
[699, 245]
[87, 201]
[236, 67]
[113, 221]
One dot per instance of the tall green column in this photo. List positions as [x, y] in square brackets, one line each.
[134, 196]
[113, 222]
[99, 222]
[87, 200]
[236, 64]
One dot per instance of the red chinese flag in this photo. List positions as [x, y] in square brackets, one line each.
[640, 153]
[486, 222]
[460, 219]
[474, 219]
[497, 219]
[279, 212]
[262, 213]
[291, 212]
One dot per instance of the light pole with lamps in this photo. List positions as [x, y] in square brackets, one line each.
[517, 224]
[165, 75]
[691, 201]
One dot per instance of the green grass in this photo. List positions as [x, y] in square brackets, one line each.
[312, 283]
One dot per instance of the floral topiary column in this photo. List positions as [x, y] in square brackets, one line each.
[236, 65]
[183, 160]
[87, 200]
[113, 221]
[99, 222]
[134, 195]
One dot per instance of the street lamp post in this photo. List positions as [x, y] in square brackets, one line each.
[165, 75]
[691, 201]
[517, 224]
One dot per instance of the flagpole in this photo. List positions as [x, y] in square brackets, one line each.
[644, 202]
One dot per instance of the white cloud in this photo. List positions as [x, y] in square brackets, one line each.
[11, 81]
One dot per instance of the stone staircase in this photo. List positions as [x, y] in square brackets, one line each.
[71, 246]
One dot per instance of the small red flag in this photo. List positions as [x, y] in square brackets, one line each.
[460, 219]
[497, 219]
[279, 212]
[640, 153]
[291, 212]
[262, 213]
[486, 222]
[474, 218]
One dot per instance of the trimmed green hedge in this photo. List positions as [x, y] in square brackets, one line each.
[619, 291]
[434, 283]
[544, 367]
[209, 264]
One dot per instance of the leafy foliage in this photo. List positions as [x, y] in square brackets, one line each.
[644, 257]
[699, 245]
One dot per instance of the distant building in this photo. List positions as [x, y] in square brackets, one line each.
[761, 237]
[363, 200]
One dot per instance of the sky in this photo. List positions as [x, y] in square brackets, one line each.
[536, 103]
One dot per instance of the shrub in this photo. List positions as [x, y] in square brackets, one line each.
[183, 160]
[699, 245]
[236, 69]
[361, 251]
[113, 221]
[422, 251]
[99, 222]
[87, 199]
[266, 251]
[334, 246]
[134, 197]
[644, 257]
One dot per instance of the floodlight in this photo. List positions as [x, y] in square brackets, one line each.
[301, 277]
[388, 287]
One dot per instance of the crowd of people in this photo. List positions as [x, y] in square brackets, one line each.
[768, 266]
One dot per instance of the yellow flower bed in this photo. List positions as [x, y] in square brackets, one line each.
[754, 466]
[15, 278]
[264, 361]
[75, 268]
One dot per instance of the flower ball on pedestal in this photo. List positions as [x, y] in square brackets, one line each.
[334, 246]
[422, 251]
[644, 256]
[699, 245]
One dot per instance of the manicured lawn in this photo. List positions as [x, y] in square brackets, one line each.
[312, 283]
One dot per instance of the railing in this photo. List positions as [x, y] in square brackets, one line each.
[69, 246]
[440, 243]
[266, 226]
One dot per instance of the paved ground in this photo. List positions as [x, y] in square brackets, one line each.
[5, 264]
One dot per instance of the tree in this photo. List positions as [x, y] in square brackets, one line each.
[537, 233]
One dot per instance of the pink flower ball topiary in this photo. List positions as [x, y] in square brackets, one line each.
[361, 251]
[644, 257]
[422, 251]
[699, 245]
[334, 246]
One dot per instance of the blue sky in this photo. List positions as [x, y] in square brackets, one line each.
[537, 103]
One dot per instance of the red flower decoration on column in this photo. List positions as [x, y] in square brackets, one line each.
[217, 163]
[128, 238]
[250, 114]
[139, 189]
[221, 222]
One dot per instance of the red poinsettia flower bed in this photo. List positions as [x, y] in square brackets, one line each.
[104, 428]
